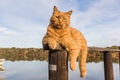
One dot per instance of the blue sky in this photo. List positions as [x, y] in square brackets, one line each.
[23, 23]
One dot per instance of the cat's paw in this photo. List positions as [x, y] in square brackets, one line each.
[52, 44]
[73, 64]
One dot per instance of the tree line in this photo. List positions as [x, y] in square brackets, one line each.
[16, 54]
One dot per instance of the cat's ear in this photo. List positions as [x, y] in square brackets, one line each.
[55, 8]
[69, 12]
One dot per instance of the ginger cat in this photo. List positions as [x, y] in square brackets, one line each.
[60, 32]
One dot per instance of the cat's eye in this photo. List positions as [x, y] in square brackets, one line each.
[57, 16]
[63, 18]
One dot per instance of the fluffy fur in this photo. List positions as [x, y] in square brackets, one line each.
[60, 32]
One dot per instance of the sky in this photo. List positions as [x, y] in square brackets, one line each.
[23, 23]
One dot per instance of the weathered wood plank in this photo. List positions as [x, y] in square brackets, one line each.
[58, 65]
[103, 49]
[119, 60]
[108, 67]
[62, 70]
[52, 66]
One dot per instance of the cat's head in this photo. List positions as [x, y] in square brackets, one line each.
[60, 20]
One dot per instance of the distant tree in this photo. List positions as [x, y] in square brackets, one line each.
[113, 47]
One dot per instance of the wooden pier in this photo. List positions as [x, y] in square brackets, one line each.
[108, 67]
[58, 63]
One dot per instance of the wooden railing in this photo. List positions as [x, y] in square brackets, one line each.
[108, 67]
[58, 63]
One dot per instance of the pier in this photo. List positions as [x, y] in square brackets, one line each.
[58, 63]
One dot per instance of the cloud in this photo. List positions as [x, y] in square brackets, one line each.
[99, 23]
[31, 10]
[27, 21]
[98, 20]
[6, 31]
[2, 29]
[109, 33]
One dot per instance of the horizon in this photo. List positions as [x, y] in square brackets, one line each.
[24, 25]
[87, 47]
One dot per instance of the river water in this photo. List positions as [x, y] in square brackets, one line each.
[38, 70]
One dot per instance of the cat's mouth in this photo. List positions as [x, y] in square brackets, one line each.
[57, 26]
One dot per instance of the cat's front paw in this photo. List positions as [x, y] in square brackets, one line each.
[52, 44]
[73, 66]
[73, 63]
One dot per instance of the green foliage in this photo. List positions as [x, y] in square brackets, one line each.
[14, 54]
[23, 54]
[113, 47]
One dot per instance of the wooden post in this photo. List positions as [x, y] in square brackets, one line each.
[58, 65]
[119, 60]
[108, 67]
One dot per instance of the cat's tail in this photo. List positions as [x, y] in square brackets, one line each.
[82, 62]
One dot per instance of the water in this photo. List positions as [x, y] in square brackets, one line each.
[38, 70]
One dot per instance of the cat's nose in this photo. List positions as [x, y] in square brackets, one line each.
[60, 21]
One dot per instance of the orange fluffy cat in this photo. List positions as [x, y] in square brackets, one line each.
[60, 32]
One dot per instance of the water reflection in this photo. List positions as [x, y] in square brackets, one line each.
[32, 64]
[25, 70]
[38, 70]
[95, 71]
[2, 78]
